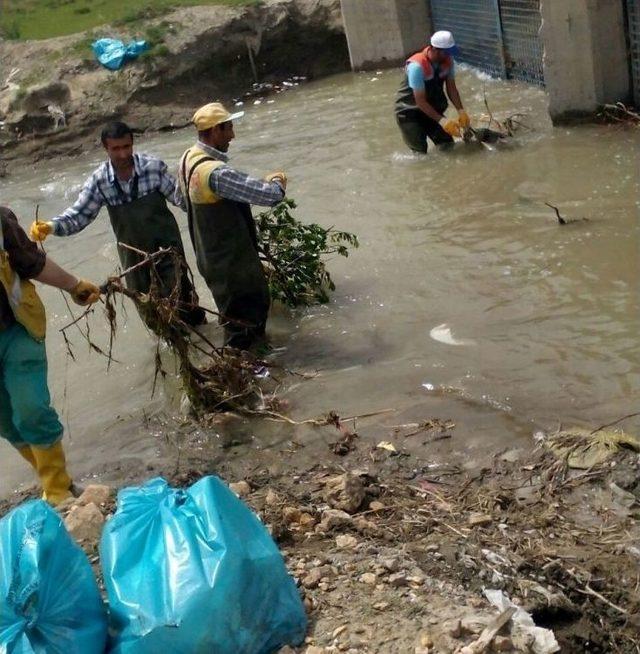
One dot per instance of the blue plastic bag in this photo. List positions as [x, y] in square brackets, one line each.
[193, 572]
[49, 598]
[114, 54]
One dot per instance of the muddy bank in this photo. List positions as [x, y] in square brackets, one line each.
[54, 96]
[393, 552]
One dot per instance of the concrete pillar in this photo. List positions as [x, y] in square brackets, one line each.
[585, 56]
[384, 32]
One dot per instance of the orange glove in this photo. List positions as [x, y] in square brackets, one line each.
[39, 230]
[85, 293]
[463, 119]
[278, 177]
[451, 127]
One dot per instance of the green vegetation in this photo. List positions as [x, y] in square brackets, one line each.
[41, 19]
[293, 253]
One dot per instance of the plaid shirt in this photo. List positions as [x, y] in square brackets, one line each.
[101, 189]
[232, 184]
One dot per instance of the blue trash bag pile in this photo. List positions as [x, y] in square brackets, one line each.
[186, 571]
[114, 54]
[49, 598]
[195, 571]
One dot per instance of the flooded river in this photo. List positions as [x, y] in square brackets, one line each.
[466, 299]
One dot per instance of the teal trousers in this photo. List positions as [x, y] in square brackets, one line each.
[26, 415]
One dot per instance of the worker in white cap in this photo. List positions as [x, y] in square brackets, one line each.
[421, 102]
[222, 227]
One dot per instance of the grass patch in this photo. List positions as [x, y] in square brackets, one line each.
[42, 19]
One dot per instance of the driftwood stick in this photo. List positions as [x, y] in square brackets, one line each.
[615, 422]
[561, 220]
[490, 632]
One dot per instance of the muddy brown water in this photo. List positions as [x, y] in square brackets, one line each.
[465, 301]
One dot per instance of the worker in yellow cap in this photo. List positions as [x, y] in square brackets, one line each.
[222, 227]
[27, 419]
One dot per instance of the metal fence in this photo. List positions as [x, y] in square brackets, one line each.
[500, 37]
[476, 26]
[521, 22]
[633, 13]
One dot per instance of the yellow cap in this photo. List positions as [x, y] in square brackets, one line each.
[213, 114]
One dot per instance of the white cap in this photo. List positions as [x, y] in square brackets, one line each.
[443, 40]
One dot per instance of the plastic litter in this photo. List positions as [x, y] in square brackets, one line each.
[114, 54]
[49, 598]
[195, 571]
[544, 640]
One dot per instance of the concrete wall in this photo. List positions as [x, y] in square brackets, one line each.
[383, 32]
[585, 56]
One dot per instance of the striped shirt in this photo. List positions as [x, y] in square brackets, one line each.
[231, 184]
[102, 189]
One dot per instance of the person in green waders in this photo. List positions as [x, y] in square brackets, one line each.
[222, 227]
[135, 189]
[27, 419]
[421, 101]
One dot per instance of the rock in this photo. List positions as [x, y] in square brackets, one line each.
[338, 631]
[364, 525]
[398, 579]
[502, 644]
[425, 640]
[291, 514]
[475, 623]
[312, 579]
[97, 494]
[368, 578]
[453, 628]
[344, 492]
[333, 519]
[306, 520]
[381, 606]
[287, 650]
[390, 564]
[85, 523]
[346, 541]
[312, 649]
[240, 488]
[376, 506]
[479, 520]
[272, 498]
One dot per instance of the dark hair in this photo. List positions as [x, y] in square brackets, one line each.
[115, 130]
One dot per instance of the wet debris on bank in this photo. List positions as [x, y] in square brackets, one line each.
[620, 114]
[527, 555]
[260, 91]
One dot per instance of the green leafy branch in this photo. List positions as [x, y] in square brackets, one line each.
[293, 255]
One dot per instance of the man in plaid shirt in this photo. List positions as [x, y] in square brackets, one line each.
[223, 231]
[135, 189]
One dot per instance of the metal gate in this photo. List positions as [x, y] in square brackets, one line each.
[476, 27]
[633, 13]
[521, 21]
[500, 37]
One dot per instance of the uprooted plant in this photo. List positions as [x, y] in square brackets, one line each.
[214, 378]
[293, 255]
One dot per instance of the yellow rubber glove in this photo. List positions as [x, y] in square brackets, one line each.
[277, 177]
[451, 127]
[85, 293]
[463, 119]
[40, 230]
